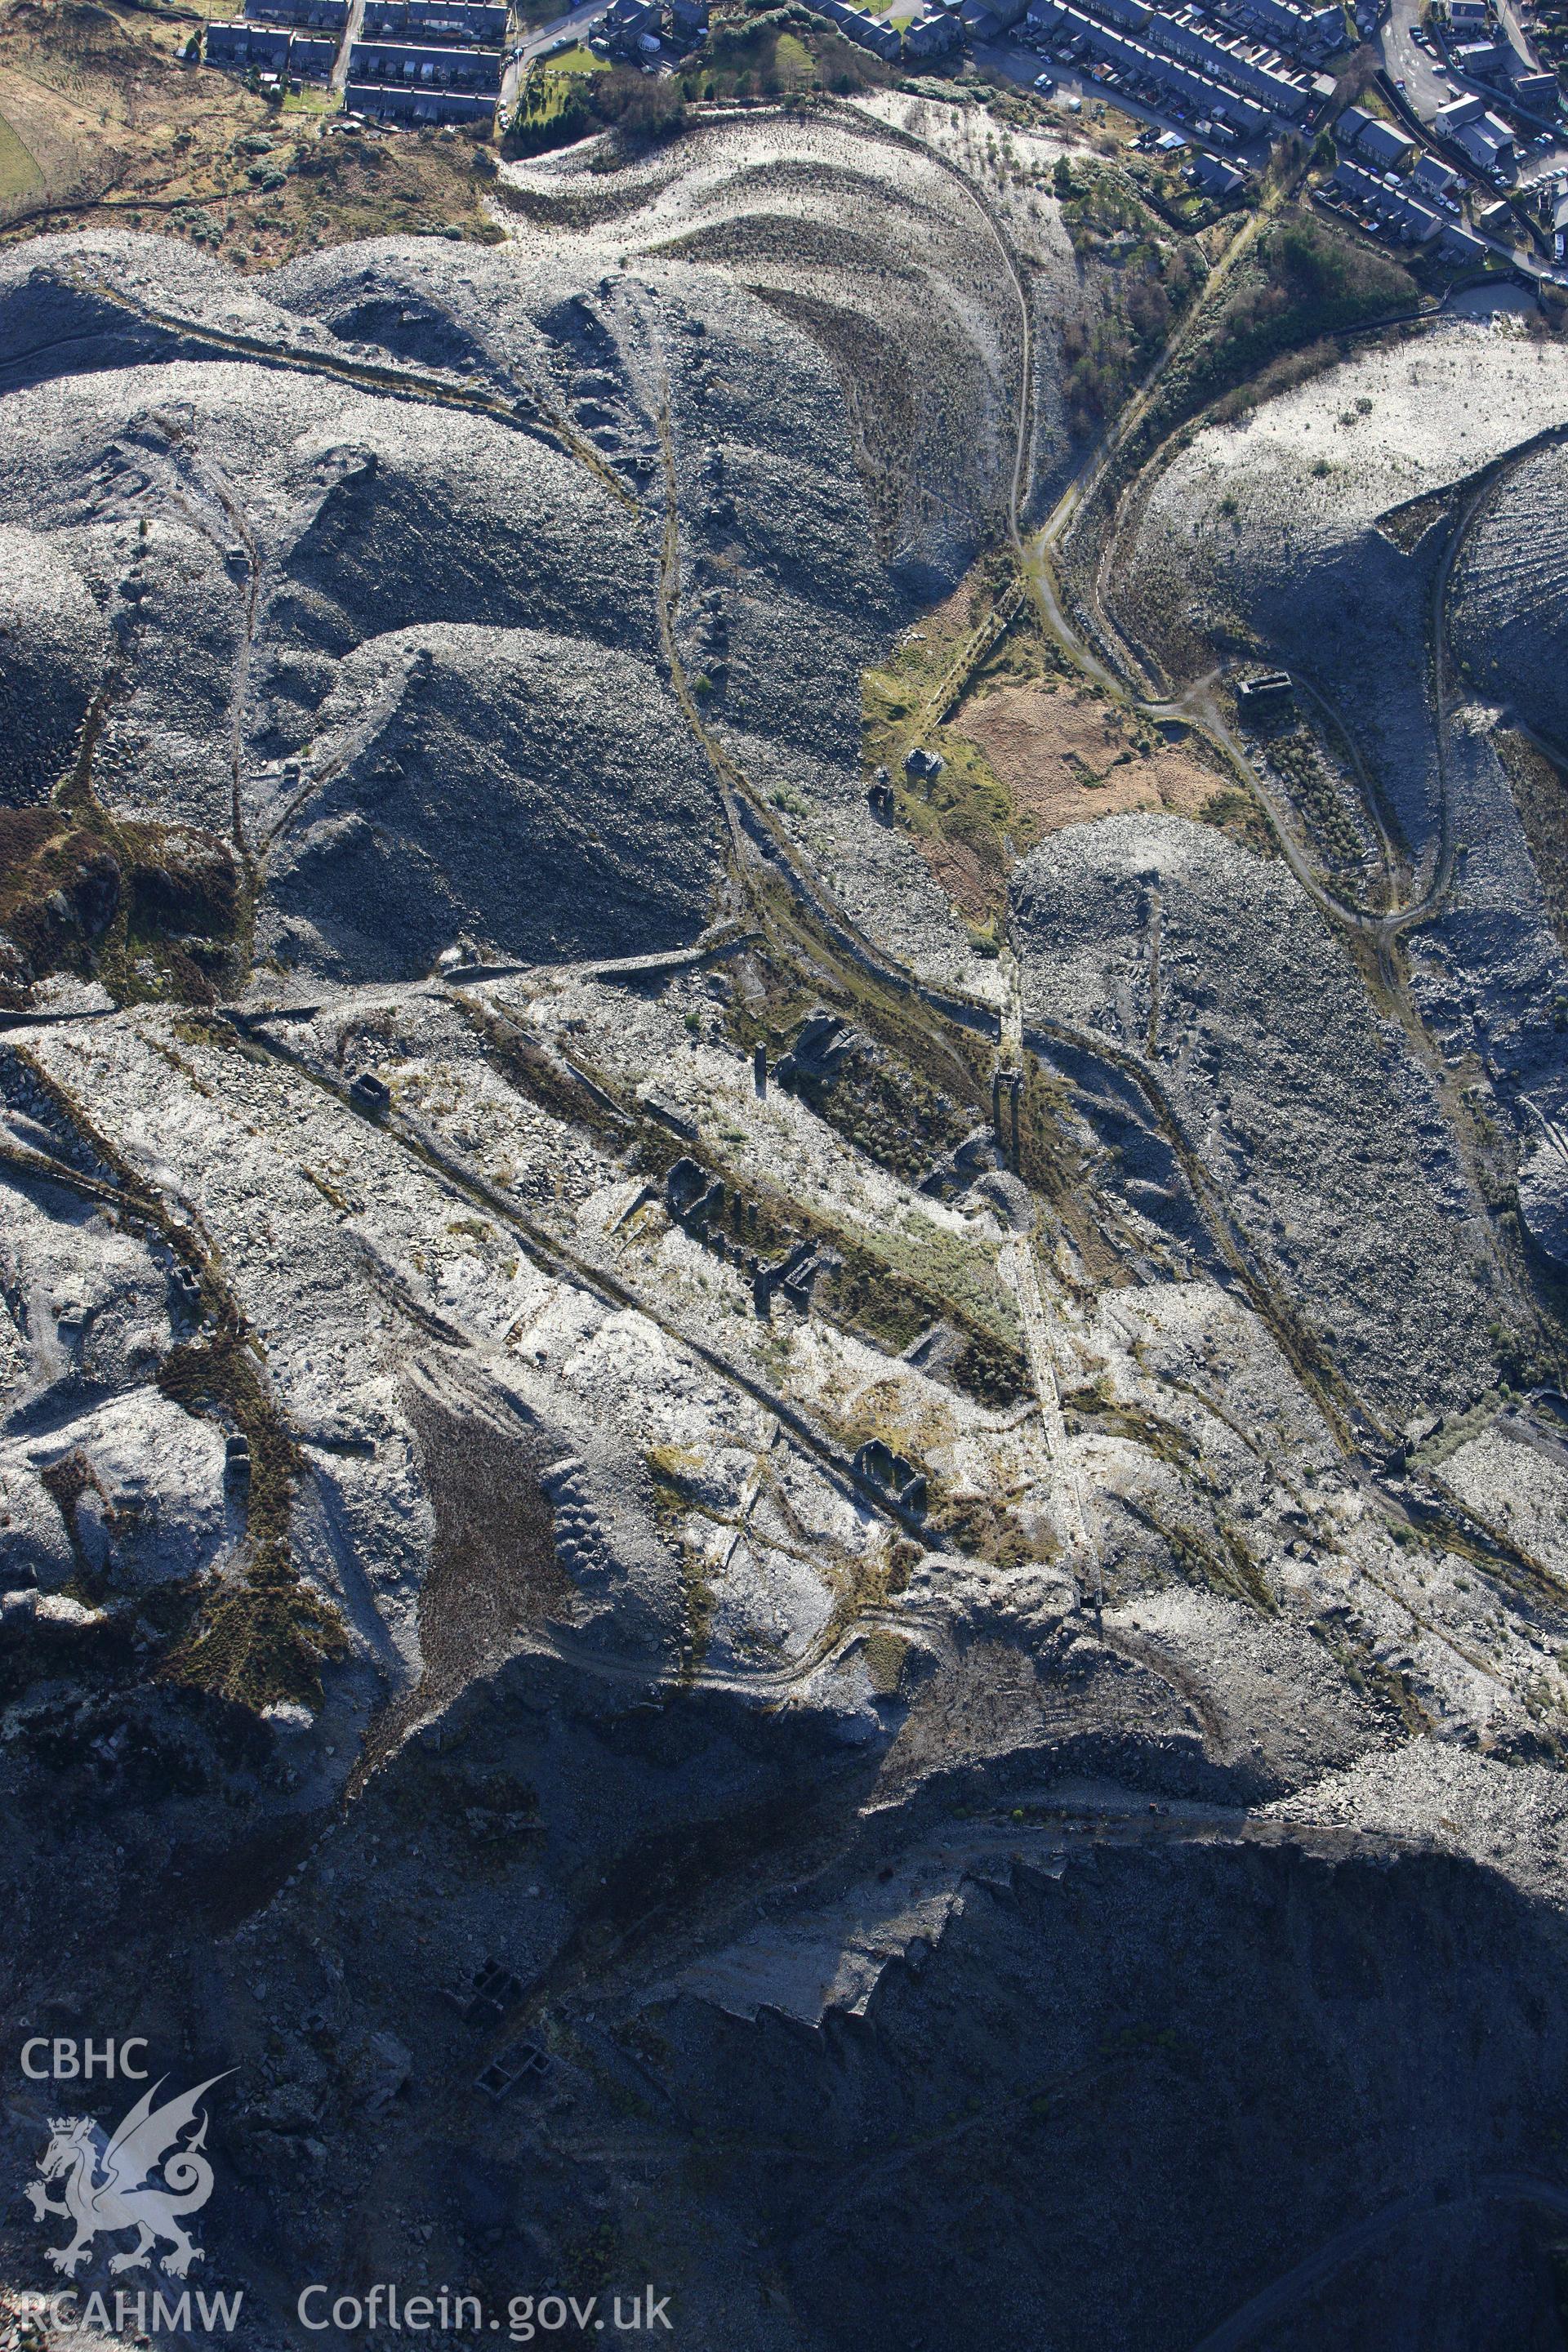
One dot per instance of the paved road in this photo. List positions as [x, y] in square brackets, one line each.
[1429, 85]
[579, 21]
[350, 35]
[1011, 61]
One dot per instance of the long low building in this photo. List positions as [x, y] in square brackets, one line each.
[1248, 66]
[426, 67]
[241, 45]
[1486, 138]
[472, 24]
[1463, 245]
[1468, 113]
[313, 57]
[1379, 142]
[1217, 63]
[1298, 29]
[931, 35]
[883, 40]
[417, 103]
[306, 16]
[1061, 23]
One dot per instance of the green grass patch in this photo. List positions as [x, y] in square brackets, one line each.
[967, 805]
[780, 53]
[222, 1378]
[267, 1637]
[19, 172]
[1237, 813]
[794, 63]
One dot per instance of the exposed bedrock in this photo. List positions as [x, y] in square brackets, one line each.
[847, 2079]
[1278, 2047]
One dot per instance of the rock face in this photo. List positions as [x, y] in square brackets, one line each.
[1543, 1199]
[1198, 1970]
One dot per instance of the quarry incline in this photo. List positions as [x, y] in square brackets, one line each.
[784, 1139]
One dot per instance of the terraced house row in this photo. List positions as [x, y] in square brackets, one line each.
[1185, 55]
[418, 61]
[281, 39]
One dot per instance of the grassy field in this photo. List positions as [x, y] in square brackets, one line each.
[751, 59]
[19, 172]
[577, 61]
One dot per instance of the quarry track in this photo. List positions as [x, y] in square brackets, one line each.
[722, 1782]
[755, 831]
[1377, 934]
[780, 1682]
[1333, 1402]
[1198, 705]
[1443, 2196]
[1080, 493]
[763, 846]
[1081, 490]
[871, 125]
[567, 1266]
[525, 413]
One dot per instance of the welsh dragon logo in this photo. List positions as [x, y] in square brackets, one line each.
[108, 2185]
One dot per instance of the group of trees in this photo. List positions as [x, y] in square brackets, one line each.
[1152, 284]
[643, 108]
[756, 51]
[773, 51]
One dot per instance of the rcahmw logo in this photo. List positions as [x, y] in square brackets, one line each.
[149, 2175]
